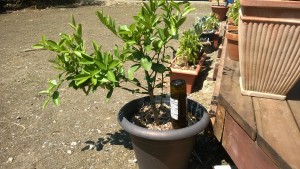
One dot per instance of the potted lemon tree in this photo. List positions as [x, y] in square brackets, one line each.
[144, 50]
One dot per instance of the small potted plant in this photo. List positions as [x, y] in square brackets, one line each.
[188, 60]
[220, 10]
[207, 27]
[233, 15]
[145, 44]
[232, 31]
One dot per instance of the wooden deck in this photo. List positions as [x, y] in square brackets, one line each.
[256, 132]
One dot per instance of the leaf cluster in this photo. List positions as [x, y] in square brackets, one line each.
[208, 23]
[145, 44]
[233, 12]
[189, 47]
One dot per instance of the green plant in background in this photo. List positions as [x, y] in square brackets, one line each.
[187, 53]
[145, 44]
[206, 24]
[233, 12]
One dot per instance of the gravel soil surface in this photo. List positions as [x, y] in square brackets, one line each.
[83, 132]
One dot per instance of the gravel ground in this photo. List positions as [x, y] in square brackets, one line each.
[83, 132]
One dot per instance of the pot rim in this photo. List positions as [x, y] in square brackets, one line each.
[157, 134]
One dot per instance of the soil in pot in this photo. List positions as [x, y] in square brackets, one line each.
[232, 44]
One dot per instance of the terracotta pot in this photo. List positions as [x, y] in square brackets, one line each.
[232, 27]
[189, 76]
[220, 11]
[269, 47]
[232, 44]
[156, 149]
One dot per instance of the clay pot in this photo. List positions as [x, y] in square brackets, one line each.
[269, 47]
[156, 149]
[220, 11]
[232, 44]
[189, 76]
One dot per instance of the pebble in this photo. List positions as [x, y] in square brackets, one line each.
[73, 143]
[69, 152]
[10, 159]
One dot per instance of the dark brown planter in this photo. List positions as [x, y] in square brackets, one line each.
[220, 11]
[162, 149]
[189, 76]
[232, 44]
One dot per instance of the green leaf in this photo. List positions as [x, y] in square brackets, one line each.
[173, 30]
[100, 65]
[180, 22]
[56, 98]
[111, 76]
[79, 30]
[94, 80]
[38, 46]
[52, 44]
[146, 63]
[133, 69]
[113, 64]
[160, 68]
[161, 34]
[46, 103]
[81, 78]
[77, 53]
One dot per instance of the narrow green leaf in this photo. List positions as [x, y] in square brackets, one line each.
[38, 46]
[94, 80]
[79, 30]
[113, 64]
[52, 44]
[180, 22]
[100, 65]
[81, 78]
[46, 103]
[111, 76]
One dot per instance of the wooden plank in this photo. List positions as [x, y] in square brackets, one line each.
[216, 91]
[242, 149]
[239, 107]
[278, 133]
[219, 123]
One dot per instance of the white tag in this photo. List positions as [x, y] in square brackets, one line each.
[174, 108]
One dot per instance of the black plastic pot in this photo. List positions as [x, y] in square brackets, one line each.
[162, 149]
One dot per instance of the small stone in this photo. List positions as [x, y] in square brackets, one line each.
[73, 143]
[10, 159]
[18, 117]
[132, 161]
[69, 152]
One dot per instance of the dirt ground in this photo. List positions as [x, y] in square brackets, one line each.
[83, 132]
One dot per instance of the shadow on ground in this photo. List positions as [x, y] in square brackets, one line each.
[118, 138]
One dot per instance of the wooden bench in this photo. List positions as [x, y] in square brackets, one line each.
[256, 132]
